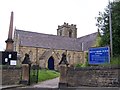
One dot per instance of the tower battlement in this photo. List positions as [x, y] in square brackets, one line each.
[67, 26]
[67, 30]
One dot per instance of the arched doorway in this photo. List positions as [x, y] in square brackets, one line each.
[51, 63]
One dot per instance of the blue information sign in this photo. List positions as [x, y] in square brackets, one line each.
[99, 55]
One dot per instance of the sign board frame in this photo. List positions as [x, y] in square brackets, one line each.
[99, 55]
[6, 57]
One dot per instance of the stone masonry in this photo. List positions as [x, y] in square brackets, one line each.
[11, 75]
[93, 77]
[36, 53]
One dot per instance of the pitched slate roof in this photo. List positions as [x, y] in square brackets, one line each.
[88, 40]
[34, 39]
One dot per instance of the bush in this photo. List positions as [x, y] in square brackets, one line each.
[78, 65]
[82, 65]
[115, 60]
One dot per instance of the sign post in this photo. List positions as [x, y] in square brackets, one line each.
[99, 55]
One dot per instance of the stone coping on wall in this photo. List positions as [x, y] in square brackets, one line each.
[11, 67]
[94, 68]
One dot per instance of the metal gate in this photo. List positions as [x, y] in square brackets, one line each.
[34, 71]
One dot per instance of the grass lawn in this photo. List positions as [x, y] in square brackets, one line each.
[47, 74]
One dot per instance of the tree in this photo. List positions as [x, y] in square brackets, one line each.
[103, 27]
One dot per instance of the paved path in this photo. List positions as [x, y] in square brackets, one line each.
[48, 84]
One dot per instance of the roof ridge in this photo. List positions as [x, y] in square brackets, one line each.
[33, 32]
[52, 41]
[44, 34]
[87, 35]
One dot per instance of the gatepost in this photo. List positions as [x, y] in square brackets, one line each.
[63, 71]
[26, 64]
[63, 76]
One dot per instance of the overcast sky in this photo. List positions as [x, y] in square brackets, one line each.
[44, 16]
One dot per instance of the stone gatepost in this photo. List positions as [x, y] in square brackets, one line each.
[63, 76]
[26, 64]
[63, 70]
[25, 74]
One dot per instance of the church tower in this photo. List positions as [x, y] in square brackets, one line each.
[67, 30]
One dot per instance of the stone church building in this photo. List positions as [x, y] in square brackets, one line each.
[46, 49]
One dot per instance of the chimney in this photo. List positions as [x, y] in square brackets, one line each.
[9, 41]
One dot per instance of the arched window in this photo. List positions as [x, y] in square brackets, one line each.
[31, 55]
[60, 32]
[70, 33]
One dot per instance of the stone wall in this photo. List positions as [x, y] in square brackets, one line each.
[92, 76]
[11, 75]
[73, 57]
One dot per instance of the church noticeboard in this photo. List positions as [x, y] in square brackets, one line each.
[100, 55]
[8, 58]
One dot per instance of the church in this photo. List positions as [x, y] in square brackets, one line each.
[46, 49]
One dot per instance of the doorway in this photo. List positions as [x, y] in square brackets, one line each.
[51, 63]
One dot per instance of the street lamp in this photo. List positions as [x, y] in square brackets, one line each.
[110, 27]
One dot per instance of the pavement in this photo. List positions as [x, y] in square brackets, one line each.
[53, 83]
[3, 87]
[48, 84]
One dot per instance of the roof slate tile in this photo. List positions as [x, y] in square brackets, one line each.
[34, 39]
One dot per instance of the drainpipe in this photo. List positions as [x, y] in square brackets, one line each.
[82, 46]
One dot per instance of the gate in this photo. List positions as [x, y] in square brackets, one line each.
[34, 71]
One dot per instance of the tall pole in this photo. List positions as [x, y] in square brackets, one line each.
[110, 27]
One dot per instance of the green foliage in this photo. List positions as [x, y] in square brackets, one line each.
[86, 56]
[47, 74]
[103, 26]
[43, 75]
[98, 41]
[115, 61]
[80, 65]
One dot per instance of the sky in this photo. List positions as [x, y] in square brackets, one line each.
[44, 16]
